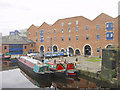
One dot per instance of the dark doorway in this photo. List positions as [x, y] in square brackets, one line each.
[77, 52]
[71, 52]
[108, 46]
[54, 48]
[62, 50]
[87, 50]
[42, 49]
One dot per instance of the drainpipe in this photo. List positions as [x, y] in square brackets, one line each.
[51, 46]
[99, 53]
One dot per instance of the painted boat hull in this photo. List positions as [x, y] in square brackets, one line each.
[65, 74]
[30, 71]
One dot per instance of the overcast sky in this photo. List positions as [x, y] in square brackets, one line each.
[20, 14]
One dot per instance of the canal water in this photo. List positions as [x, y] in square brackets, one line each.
[16, 78]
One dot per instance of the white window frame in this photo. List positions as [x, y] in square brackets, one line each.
[76, 22]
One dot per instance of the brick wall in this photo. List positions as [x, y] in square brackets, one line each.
[5, 50]
[92, 32]
[25, 48]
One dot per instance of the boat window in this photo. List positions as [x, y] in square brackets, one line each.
[52, 66]
[25, 61]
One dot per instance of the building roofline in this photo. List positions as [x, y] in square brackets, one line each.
[43, 24]
[31, 26]
[73, 17]
[85, 18]
[101, 15]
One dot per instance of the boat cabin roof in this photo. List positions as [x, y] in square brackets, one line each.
[58, 61]
[34, 61]
[41, 65]
[51, 63]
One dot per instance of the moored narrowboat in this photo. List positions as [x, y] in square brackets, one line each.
[62, 69]
[57, 68]
[34, 67]
[71, 70]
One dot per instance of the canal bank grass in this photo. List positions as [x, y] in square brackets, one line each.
[94, 59]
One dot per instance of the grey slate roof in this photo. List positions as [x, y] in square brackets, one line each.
[15, 39]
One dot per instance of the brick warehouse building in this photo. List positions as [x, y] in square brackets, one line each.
[76, 35]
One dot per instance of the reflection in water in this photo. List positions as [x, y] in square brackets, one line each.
[71, 82]
[16, 79]
[43, 82]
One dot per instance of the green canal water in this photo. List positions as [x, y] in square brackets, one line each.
[17, 78]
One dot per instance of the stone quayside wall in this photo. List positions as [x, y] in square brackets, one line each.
[110, 70]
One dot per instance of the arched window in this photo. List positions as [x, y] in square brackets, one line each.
[77, 52]
[54, 48]
[87, 50]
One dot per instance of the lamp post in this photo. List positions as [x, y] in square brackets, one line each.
[99, 52]
[51, 46]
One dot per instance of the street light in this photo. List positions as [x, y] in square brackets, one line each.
[51, 46]
[99, 52]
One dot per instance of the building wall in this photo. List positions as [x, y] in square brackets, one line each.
[31, 48]
[4, 51]
[26, 50]
[5, 63]
[92, 32]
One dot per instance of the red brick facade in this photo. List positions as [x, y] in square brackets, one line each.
[4, 51]
[33, 33]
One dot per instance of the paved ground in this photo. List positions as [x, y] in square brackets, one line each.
[84, 65]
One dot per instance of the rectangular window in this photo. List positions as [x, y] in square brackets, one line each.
[29, 33]
[54, 38]
[109, 26]
[109, 36]
[98, 37]
[36, 39]
[76, 22]
[77, 37]
[62, 24]
[69, 38]
[69, 23]
[5, 47]
[87, 28]
[41, 32]
[36, 33]
[54, 30]
[48, 49]
[30, 50]
[62, 30]
[62, 38]
[48, 39]
[69, 29]
[98, 49]
[48, 32]
[77, 29]
[41, 39]
[31, 45]
[97, 27]
[5, 63]
[87, 37]
[25, 47]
